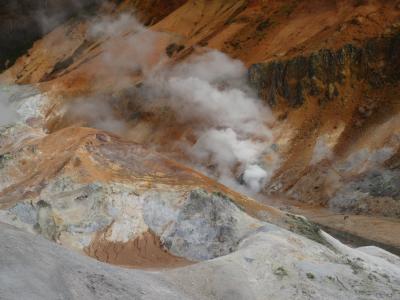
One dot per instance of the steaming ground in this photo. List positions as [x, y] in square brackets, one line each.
[232, 135]
[209, 91]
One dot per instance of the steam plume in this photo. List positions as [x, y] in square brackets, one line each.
[231, 125]
[233, 135]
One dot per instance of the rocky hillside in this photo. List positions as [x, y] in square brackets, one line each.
[24, 22]
[191, 135]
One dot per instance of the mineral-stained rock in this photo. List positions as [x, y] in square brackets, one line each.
[349, 95]
[321, 73]
[205, 227]
[90, 182]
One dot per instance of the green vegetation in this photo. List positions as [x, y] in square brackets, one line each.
[4, 158]
[281, 272]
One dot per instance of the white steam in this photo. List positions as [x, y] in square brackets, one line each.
[97, 113]
[108, 26]
[222, 148]
[209, 92]
[233, 134]
[130, 47]
[255, 177]
[211, 67]
[213, 88]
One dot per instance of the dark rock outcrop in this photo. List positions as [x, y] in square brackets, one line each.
[321, 73]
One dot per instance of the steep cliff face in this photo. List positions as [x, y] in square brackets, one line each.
[323, 73]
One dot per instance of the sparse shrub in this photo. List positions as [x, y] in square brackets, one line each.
[4, 158]
[310, 275]
[281, 272]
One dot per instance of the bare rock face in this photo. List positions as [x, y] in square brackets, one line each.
[205, 227]
[322, 73]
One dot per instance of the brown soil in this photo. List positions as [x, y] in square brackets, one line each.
[145, 252]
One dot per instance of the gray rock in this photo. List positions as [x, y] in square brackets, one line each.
[208, 226]
[34, 268]
[376, 191]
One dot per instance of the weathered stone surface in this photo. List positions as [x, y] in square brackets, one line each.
[375, 192]
[205, 227]
[321, 73]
